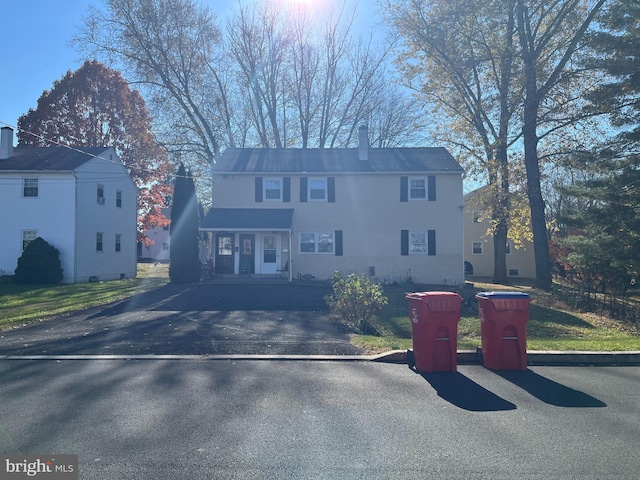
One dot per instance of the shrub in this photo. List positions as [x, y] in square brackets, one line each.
[39, 264]
[355, 301]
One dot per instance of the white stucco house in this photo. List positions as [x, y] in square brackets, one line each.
[159, 250]
[80, 200]
[391, 213]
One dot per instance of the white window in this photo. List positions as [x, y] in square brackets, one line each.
[418, 188]
[316, 243]
[98, 242]
[273, 189]
[318, 189]
[100, 194]
[29, 187]
[165, 246]
[476, 217]
[119, 198]
[508, 250]
[28, 236]
[118, 242]
[417, 243]
[476, 248]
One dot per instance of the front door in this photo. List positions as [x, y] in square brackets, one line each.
[224, 253]
[247, 253]
[269, 253]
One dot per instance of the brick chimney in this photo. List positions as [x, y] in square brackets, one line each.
[363, 143]
[6, 143]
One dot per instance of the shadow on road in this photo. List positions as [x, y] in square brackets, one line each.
[464, 393]
[549, 391]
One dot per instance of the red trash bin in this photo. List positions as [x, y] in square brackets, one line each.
[503, 317]
[434, 328]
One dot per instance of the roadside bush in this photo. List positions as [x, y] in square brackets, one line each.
[39, 264]
[355, 301]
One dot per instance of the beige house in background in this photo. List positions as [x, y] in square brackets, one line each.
[478, 244]
[391, 213]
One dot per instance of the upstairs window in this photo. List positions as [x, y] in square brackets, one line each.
[119, 198]
[318, 189]
[476, 248]
[29, 187]
[100, 194]
[417, 188]
[273, 189]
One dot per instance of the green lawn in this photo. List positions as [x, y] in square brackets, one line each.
[21, 304]
[551, 325]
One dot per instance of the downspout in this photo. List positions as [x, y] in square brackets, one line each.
[75, 230]
[290, 260]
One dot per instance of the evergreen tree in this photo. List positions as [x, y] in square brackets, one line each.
[185, 264]
[39, 264]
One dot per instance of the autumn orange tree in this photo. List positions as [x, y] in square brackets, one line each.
[95, 107]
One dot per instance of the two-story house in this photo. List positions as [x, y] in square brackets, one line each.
[391, 213]
[478, 243]
[80, 200]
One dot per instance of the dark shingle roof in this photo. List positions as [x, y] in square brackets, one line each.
[48, 159]
[336, 160]
[248, 218]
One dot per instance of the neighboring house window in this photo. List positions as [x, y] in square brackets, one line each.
[317, 189]
[417, 188]
[476, 217]
[28, 236]
[119, 198]
[30, 187]
[118, 242]
[100, 193]
[272, 189]
[513, 272]
[98, 242]
[165, 246]
[508, 249]
[476, 248]
[317, 243]
[418, 243]
[165, 228]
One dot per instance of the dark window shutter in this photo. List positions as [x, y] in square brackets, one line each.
[303, 188]
[338, 243]
[431, 188]
[331, 189]
[258, 189]
[404, 189]
[404, 242]
[431, 242]
[286, 189]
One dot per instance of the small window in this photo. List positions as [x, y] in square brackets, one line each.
[28, 236]
[476, 248]
[119, 198]
[100, 194]
[273, 189]
[318, 189]
[98, 242]
[513, 272]
[508, 249]
[317, 243]
[118, 242]
[165, 246]
[476, 217]
[418, 188]
[30, 187]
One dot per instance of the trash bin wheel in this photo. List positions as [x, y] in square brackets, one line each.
[411, 359]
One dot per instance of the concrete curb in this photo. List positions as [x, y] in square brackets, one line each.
[465, 357]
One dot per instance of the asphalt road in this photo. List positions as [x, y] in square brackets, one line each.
[199, 319]
[190, 419]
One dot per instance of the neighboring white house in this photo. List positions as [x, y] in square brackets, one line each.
[80, 200]
[390, 213]
[159, 250]
[478, 244]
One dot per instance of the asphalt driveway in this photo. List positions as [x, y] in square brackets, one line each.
[199, 319]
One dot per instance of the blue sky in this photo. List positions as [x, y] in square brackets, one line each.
[34, 41]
